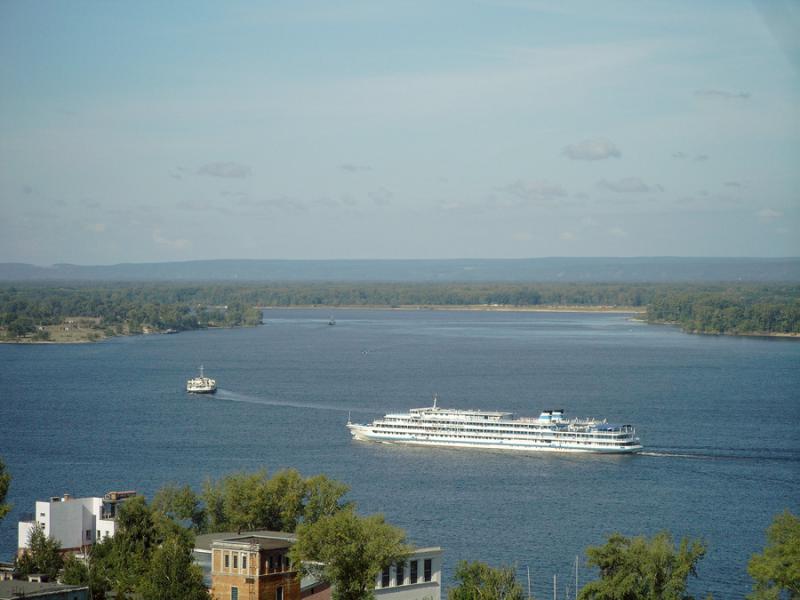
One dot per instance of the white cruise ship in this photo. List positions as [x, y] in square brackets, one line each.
[435, 426]
[201, 384]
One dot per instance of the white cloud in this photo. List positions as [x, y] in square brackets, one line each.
[592, 149]
[178, 244]
[225, 169]
[353, 168]
[722, 94]
[618, 232]
[769, 214]
[536, 191]
[626, 185]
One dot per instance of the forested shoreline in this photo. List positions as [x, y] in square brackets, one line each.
[40, 312]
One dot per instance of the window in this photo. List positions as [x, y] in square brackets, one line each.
[227, 561]
[279, 593]
[244, 562]
[401, 573]
[428, 569]
[385, 577]
[235, 561]
[88, 535]
[412, 577]
[234, 593]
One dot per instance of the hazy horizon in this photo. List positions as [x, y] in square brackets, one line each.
[304, 130]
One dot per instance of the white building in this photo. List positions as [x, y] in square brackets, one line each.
[419, 578]
[74, 522]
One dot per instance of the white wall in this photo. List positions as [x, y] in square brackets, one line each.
[422, 590]
[68, 521]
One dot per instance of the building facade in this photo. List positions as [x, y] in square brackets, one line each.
[74, 522]
[252, 568]
[418, 578]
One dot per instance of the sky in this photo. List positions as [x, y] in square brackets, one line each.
[387, 129]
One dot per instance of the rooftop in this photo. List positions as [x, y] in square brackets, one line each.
[202, 543]
[13, 590]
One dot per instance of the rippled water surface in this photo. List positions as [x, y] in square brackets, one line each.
[720, 419]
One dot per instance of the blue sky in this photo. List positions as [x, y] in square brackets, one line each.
[141, 131]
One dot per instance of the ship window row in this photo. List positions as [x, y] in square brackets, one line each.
[605, 436]
[486, 438]
[505, 428]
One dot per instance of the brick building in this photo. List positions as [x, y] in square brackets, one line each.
[252, 568]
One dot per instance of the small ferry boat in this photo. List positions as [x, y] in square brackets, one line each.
[201, 384]
[551, 431]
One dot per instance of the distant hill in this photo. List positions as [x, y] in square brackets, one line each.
[579, 270]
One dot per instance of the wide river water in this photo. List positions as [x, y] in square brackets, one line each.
[719, 418]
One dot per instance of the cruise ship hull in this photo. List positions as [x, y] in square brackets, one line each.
[553, 444]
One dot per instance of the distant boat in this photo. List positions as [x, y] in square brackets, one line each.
[331, 321]
[201, 384]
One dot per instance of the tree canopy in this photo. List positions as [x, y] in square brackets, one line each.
[348, 551]
[43, 555]
[479, 581]
[641, 569]
[776, 571]
[248, 501]
[5, 482]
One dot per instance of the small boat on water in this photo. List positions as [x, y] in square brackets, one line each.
[201, 384]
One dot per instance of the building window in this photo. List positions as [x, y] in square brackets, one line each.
[428, 569]
[271, 565]
[234, 593]
[279, 593]
[412, 577]
[244, 562]
[385, 578]
[235, 561]
[88, 535]
[401, 573]
[227, 559]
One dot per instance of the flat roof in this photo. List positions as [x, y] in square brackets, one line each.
[202, 543]
[263, 543]
[12, 590]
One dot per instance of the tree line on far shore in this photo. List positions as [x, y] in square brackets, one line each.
[127, 308]
[150, 555]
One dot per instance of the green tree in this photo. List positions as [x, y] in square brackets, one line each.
[150, 554]
[239, 501]
[479, 581]
[180, 504]
[286, 492]
[172, 574]
[641, 569]
[5, 482]
[777, 570]
[43, 555]
[348, 551]
[75, 571]
[323, 498]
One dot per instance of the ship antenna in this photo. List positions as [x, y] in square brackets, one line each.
[435, 397]
[201, 371]
[348, 417]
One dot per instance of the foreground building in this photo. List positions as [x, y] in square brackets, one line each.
[76, 523]
[255, 566]
[418, 578]
[16, 589]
